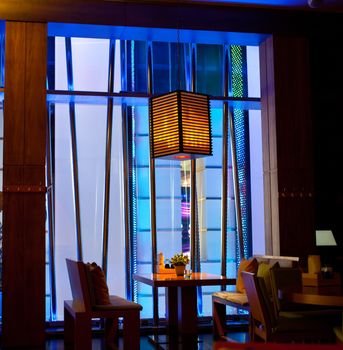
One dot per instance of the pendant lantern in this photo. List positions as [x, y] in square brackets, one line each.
[180, 125]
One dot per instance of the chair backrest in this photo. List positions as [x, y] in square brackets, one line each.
[79, 283]
[261, 309]
[281, 278]
[284, 261]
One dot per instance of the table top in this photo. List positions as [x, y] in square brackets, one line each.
[325, 296]
[274, 346]
[171, 280]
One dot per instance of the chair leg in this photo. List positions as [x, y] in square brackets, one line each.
[68, 328]
[219, 319]
[111, 332]
[131, 330]
[251, 329]
[82, 332]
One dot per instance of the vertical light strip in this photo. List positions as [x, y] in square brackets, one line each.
[108, 155]
[74, 149]
[236, 186]
[51, 208]
[133, 175]
[128, 269]
[152, 199]
[127, 194]
[225, 164]
[235, 169]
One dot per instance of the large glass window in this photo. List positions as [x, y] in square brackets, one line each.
[79, 125]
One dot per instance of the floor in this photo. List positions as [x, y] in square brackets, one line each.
[205, 342]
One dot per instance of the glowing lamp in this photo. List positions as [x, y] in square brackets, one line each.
[180, 126]
[325, 238]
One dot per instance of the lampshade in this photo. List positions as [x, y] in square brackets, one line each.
[325, 238]
[180, 125]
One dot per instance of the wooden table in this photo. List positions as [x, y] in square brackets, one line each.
[274, 346]
[325, 296]
[181, 297]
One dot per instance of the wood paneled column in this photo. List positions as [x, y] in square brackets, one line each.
[24, 185]
[287, 146]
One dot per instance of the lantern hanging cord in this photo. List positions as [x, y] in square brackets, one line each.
[178, 48]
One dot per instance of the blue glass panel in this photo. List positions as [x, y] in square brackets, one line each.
[91, 138]
[143, 214]
[136, 74]
[90, 59]
[161, 59]
[0, 305]
[146, 301]
[168, 213]
[61, 82]
[144, 247]
[143, 188]
[209, 69]
[216, 159]
[213, 187]
[142, 120]
[142, 150]
[168, 180]
[253, 67]
[213, 208]
[217, 121]
[213, 239]
[65, 239]
[231, 213]
[168, 67]
[230, 189]
[169, 242]
[116, 274]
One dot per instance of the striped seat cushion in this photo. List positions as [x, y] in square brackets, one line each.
[234, 297]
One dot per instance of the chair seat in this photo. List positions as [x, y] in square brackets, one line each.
[235, 297]
[118, 303]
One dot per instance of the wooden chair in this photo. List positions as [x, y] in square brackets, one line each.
[239, 300]
[271, 328]
[220, 300]
[79, 312]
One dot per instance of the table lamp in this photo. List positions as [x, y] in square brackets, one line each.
[325, 238]
[325, 241]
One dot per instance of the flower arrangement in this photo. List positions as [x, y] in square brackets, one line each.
[179, 260]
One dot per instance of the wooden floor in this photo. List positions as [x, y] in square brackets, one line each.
[205, 343]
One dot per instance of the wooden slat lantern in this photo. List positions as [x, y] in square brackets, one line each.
[180, 126]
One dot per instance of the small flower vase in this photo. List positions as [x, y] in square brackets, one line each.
[180, 270]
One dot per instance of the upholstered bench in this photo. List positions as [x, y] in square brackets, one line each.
[79, 312]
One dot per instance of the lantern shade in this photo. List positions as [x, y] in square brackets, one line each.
[180, 125]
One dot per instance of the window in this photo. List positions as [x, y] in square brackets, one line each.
[79, 125]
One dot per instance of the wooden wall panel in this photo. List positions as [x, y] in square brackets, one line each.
[14, 103]
[24, 186]
[35, 121]
[287, 126]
